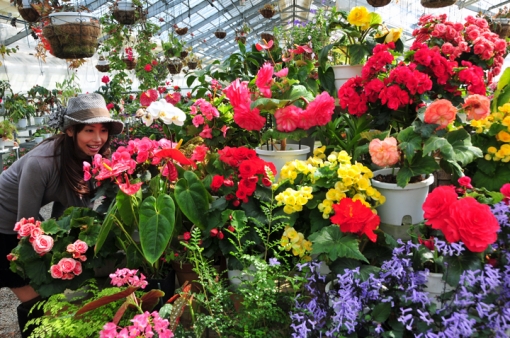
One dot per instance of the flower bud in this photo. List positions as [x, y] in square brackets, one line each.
[221, 235]
[214, 232]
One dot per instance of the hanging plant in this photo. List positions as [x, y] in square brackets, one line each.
[174, 65]
[267, 11]
[26, 11]
[437, 3]
[102, 65]
[220, 33]
[378, 3]
[127, 12]
[180, 31]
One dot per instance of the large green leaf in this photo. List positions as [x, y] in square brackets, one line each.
[105, 228]
[127, 206]
[409, 142]
[492, 182]
[464, 150]
[298, 91]
[327, 80]
[502, 93]
[434, 143]
[458, 264]
[335, 244]
[419, 166]
[191, 197]
[381, 312]
[157, 222]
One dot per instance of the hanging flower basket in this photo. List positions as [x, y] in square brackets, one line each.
[102, 65]
[267, 13]
[72, 35]
[26, 11]
[242, 39]
[174, 66]
[220, 34]
[378, 3]
[130, 64]
[184, 54]
[266, 36]
[192, 65]
[181, 31]
[437, 3]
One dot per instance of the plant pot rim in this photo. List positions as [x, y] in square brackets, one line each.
[304, 149]
[90, 15]
[393, 186]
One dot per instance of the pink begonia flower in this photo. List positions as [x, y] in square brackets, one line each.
[198, 120]
[477, 107]
[207, 109]
[441, 112]
[465, 181]
[147, 68]
[282, 73]
[199, 153]
[249, 119]
[126, 276]
[505, 190]
[86, 171]
[238, 93]
[287, 118]
[206, 133]
[42, 244]
[384, 153]
[80, 246]
[320, 110]
[78, 268]
[224, 130]
[67, 265]
[36, 232]
[264, 79]
[55, 271]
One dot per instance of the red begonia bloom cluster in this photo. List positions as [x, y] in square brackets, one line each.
[461, 219]
[138, 154]
[354, 217]
[289, 117]
[472, 41]
[387, 85]
[248, 171]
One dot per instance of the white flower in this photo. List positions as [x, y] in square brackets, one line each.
[167, 112]
[147, 119]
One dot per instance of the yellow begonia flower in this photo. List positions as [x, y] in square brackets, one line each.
[506, 121]
[344, 157]
[503, 136]
[492, 150]
[504, 150]
[393, 35]
[358, 16]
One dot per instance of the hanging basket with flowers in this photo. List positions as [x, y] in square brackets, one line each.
[437, 3]
[103, 65]
[26, 11]
[72, 35]
[378, 3]
[267, 11]
[174, 66]
[181, 30]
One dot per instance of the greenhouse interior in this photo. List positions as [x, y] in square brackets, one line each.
[253, 168]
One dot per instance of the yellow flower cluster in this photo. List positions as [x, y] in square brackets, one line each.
[502, 116]
[294, 200]
[295, 241]
[344, 178]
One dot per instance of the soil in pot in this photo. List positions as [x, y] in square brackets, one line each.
[393, 178]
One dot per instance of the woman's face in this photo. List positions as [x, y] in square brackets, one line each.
[91, 138]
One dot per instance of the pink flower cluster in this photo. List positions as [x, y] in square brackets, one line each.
[41, 243]
[288, 118]
[127, 159]
[129, 277]
[78, 250]
[66, 268]
[204, 111]
[144, 325]
[472, 40]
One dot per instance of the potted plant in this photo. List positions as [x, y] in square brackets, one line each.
[7, 130]
[18, 109]
[103, 65]
[192, 61]
[242, 33]
[220, 33]
[43, 100]
[127, 12]
[173, 47]
[180, 30]
[174, 65]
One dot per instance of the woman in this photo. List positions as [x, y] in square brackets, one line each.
[52, 172]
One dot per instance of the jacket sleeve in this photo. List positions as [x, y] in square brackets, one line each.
[33, 183]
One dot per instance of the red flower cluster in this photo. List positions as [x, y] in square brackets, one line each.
[463, 219]
[288, 117]
[387, 86]
[247, 171]
[354, 217]
[472, 41]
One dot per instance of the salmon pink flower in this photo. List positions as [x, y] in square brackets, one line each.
[441, 112]
[477, 107]
[384, 153]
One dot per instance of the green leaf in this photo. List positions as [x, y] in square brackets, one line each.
[335, 244]
[50, 227]
[298, 91]
[419, 166]
[502, 93]
[464, 150]
[157, 222]
[105, 228]
[409, 142]
[327, 80]
[495, 181]
[191, 197]
[381, 312]
[268, 104]
[458, 264]
[496, 128]
[127, 206]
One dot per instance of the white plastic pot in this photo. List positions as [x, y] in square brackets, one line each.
[38, 120]
[125, 6]
[344, 73]
[62, 18]
[435, 286]
[22, 123]
[403, 205]
[280, 157]
[38, 139]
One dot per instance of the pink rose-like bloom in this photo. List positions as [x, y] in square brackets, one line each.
[264, 79]
[505, 190]
[321, 109]
[42, 244]
[477, 107]
[441, 112]
[78, 268]
[465, 181]
[199, 153]
[207, 132]
[105, 79]
[56, 272]
[287, 118]
[384, 153]
[80, 246]
[67, 265]
[198, 120]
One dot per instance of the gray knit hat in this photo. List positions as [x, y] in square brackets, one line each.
[87, 109]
